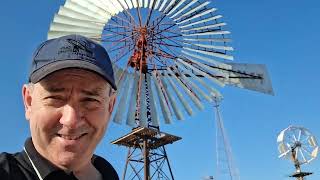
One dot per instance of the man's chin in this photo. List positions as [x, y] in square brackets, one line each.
[68, 160]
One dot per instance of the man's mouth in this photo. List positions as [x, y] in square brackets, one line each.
[71, 137]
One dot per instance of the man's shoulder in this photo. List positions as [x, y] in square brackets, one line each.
[7, 160]
[105, 168]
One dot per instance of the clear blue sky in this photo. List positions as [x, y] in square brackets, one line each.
[282, 34]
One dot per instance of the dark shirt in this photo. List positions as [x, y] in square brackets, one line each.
[18, 166]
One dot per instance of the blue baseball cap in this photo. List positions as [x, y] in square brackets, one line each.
[71, 51]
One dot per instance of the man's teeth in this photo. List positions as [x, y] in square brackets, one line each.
[68, 137]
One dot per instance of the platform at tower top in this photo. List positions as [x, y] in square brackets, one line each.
[154, 137]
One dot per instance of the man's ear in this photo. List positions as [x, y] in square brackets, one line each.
[27, 99]
[112, 102]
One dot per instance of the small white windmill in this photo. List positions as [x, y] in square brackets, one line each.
[299, 145]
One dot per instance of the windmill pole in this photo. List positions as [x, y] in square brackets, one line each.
[227, 148]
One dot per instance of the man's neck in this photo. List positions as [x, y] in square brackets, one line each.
[88, 172]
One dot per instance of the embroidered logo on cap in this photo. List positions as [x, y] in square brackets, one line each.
[77, 47]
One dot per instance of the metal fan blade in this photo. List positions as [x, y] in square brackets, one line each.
[151, 4]
[214, 92]
[315, 152]
[225, 48]
[153, 108]
[207, 33]
[108, 6]
[201, 21]
[212, 71]
[77, 22]
[164, 107]
[194, 9]
[197, 16]
[73, 29]
[76, 15]
[173, 103]
[261, 84]
[205, 27]
[120, 113]
[91, 7]
[312, 141]
[114, 6]
[157, 4]
[143, 121]
[179, 95]
[176, 7]
[83, 10]
[220, 40]
[212, 79]
[195, 87]
[164, 2]
[187, 90]
[117, 74]
[215, 54]
[140, 3]
[169, 6]
[208, 60]
[133, 102]
[55, 34]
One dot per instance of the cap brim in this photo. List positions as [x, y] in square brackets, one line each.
[64, 64]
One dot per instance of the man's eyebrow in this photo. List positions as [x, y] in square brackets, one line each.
[94, 92]
[53, 89]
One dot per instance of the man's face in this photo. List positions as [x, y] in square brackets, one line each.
[69, 111]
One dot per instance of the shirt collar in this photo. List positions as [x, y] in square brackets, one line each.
[43, 166]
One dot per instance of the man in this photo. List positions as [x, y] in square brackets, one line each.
[68, 102]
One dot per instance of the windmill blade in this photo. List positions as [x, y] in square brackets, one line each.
[260, 80]
[73, 28]
[169, 6]
[201, 21]
[205, 27]
[194, 9]
[221, 40]
[91, 6]
[194, 86]
[210, 53]
[205, 59]
[133, 102]
[143, 121]
[185, 88]
[197, 16]
[173, 103]
[207, 33]
[164, 2]
[214, 92]
[56, 34]
[77, 15]
[214, 80]
[208, 46]
[85, 11]
[157, 4]
[77, 22]
[178, 93]
[120, 113]
[178, 6]
[164, 106]
[153, 108]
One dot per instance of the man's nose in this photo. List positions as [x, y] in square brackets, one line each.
[71, 116]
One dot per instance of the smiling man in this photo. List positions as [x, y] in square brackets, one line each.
[68, 102]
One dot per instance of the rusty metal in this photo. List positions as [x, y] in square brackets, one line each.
[147, 147]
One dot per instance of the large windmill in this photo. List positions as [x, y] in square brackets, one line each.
[168, 56]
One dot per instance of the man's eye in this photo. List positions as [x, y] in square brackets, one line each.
[55, 98]
[56, 101]
[91, 103]
[91, 100]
